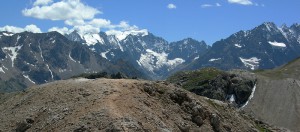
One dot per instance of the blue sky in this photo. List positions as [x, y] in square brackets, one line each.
[208, 20]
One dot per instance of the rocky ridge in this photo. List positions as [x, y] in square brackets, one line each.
[117, 105]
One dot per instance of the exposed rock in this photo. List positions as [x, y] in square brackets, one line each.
[215, 122]
[234, 86]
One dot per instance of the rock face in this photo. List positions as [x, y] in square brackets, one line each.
[116, 105]
[233, 87]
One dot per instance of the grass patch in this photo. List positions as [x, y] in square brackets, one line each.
[261, 128]
[191, 79]
[214, 104]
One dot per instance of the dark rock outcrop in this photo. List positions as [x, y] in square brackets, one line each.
[215, 84]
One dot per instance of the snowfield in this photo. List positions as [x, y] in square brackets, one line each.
[213, 59]
[12, 52]
[277, 44]
[238, 45]
[251, 63]
[152, 60]
[92, 39]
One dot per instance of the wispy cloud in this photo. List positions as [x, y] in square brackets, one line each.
[261, 5]
[206, 5]
[171, 6]
[211, 5]
[242, 2]
[42, 2]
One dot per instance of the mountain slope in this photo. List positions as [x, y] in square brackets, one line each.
[264, 47]
[28, 58]
[116, 105]
[276, 99]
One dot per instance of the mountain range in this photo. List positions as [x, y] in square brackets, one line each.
[35, 58]
[264, 47]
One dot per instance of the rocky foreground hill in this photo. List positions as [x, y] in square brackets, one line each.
[117, 105]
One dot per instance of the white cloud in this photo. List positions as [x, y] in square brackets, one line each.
[242, 2]
[171, 6]
[75, 22]
[125, 26]
[77, 16]
[13, 29]
[63, 10]
[32, 28]
[206, 5]
[101, 23]
[63, 30]
[84, 29]
[42, 2]
[211, 5]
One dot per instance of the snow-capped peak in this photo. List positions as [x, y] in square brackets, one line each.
[270, 26]
[92, 39]
[122, 35]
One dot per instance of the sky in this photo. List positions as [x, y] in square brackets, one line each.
[173, 20]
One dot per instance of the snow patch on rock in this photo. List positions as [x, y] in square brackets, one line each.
[231, 98]
[214, 59]
[27, 77]
[12, 52]
[152, 60]
[8, 34]
[103, 54]
[50, 71]
[92, 39]
[277, 44]
[72, 58]
[238, 45]
[251, 63]
[1, 70]
[250, 97]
